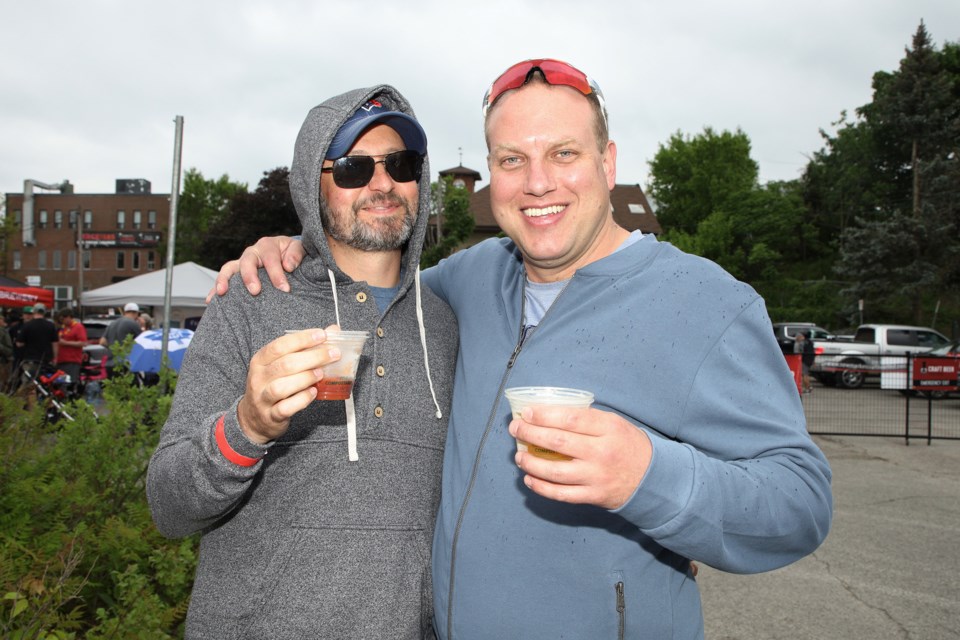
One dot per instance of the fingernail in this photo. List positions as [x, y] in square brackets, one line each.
[334, 352]
[318, 373]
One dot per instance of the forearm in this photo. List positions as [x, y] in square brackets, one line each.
[195, 481]
[740, 486]
[743, 516]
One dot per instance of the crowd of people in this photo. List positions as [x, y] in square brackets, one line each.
[34, 339]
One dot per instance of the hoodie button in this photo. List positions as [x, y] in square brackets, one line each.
[379, 332]
[361, 297]
[378, 412]
[381, 371]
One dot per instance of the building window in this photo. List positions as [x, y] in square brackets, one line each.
[73, 219]
[119, 260]
[42, 259]
[136, 219]
[17, 217]
[58, 219]
[87, 219]
[57, 265]
[72, 259]
[151, 219]
[16, 258]
[135, 260]
[121, 218]
[86, 259]
[43, 219]
[151, 261]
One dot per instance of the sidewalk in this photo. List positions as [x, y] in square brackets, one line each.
[890, 567]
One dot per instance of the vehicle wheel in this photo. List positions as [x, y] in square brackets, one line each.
[851, 379]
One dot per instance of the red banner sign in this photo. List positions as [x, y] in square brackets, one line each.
[935, 374]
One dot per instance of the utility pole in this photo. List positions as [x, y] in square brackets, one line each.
[79, 222]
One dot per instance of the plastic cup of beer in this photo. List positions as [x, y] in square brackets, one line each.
[521, 397]
[338, 376]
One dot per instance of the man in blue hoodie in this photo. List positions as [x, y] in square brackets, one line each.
[695, 447]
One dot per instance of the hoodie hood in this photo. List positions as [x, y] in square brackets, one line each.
[313, 141]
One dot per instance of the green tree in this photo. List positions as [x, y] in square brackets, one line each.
[691, 177]
[202, 205]
[890, 183]
[267, 211]
[450, 210]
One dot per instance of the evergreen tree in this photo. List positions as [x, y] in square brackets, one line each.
[900, 163]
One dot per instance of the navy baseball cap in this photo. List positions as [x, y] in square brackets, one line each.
[373, 112]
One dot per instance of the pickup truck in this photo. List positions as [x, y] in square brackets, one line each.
[847, 364]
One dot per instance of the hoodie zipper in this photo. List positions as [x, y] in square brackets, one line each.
[526, 331]
[621, 610]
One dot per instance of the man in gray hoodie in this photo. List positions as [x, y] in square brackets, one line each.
[317, 516]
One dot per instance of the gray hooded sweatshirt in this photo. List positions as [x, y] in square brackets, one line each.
[298, 541]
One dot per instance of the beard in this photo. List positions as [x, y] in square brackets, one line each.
[383, 234]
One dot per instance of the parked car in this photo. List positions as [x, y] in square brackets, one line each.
[95, 327]
[786, 333]
[847, 364]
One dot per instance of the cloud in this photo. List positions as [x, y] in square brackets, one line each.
[91, 89]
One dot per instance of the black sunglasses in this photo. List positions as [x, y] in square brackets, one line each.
[353, 172]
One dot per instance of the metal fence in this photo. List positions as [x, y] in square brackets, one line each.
[898, 398]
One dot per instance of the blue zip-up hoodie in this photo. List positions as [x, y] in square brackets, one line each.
[684, 351]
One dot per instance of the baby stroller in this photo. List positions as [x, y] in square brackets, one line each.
[52, 387]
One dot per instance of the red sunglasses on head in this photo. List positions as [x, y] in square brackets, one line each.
[554, 72]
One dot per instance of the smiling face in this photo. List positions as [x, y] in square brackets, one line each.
[550, 180]
[378, 216]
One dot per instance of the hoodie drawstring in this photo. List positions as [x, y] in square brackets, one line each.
[423, 343]
[351, 411]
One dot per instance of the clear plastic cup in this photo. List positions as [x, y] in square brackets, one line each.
[339, 376]
[521, 397]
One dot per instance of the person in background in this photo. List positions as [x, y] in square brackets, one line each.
[39, 345]
[14, 324]
[316, 516]
[145, 320]
[6, 354]
[804, 346]
[696, 447]
[72, 338]
[118, 330]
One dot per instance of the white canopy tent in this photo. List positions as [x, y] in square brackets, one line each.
[190, 286]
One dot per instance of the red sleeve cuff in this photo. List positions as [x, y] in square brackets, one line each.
[227, 451]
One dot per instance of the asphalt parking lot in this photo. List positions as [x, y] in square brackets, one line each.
[890, 567]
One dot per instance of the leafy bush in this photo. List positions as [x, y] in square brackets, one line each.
[79, 554]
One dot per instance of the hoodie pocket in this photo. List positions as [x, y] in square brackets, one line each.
[358, 582]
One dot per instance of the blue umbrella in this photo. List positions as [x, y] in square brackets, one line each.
[148, 346]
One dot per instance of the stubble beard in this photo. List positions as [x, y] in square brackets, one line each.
[385, 234]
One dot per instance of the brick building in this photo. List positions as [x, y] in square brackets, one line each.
[122, 235]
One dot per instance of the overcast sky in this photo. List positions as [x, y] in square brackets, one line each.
[90, 89]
